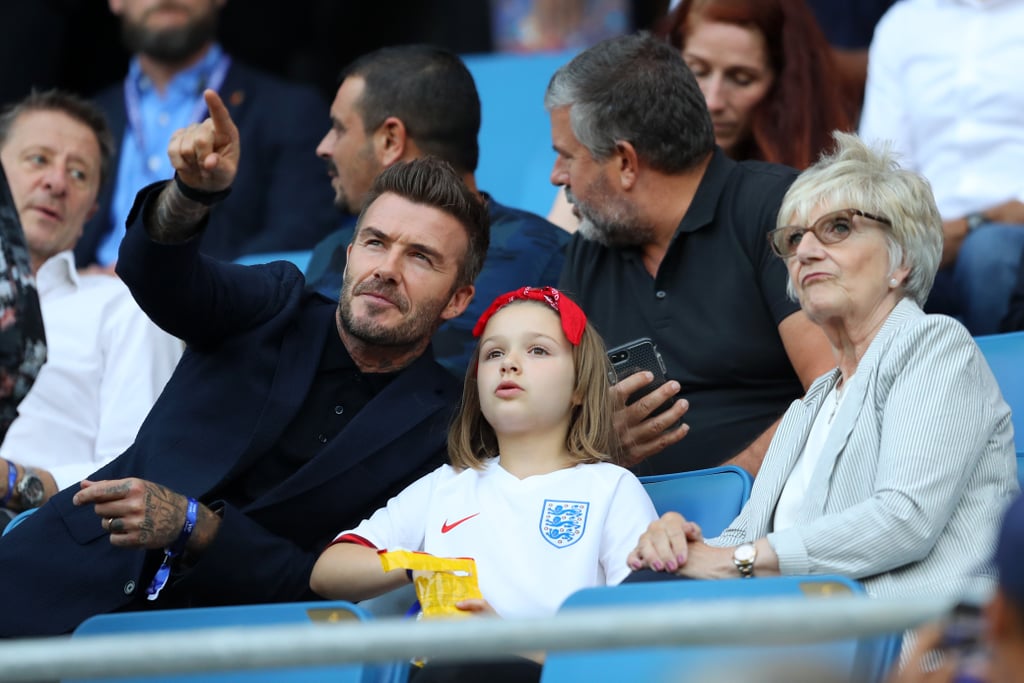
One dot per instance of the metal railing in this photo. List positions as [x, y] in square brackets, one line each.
[774, 622]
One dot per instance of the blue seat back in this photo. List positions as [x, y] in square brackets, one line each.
[17, 519]
[299, 258]
[1005, 355]
[861, 660]
[515, 134]
[712, 498]
[241, 616]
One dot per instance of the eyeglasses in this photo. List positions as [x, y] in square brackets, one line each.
[831, 228]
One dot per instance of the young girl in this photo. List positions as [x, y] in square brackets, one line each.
[531, 492]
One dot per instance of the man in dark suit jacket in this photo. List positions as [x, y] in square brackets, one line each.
[289, 417]
[280, 199]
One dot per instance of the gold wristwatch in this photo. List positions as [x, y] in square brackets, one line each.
[743, 557]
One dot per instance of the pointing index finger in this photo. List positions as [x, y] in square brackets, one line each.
[222, 122]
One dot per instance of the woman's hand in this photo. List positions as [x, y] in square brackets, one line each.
[665, 544]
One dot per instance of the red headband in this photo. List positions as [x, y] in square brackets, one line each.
[572, 316]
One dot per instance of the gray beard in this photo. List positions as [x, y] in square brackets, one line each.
[615, 234]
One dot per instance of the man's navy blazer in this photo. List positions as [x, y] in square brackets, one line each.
[281, 199]
[255, 338]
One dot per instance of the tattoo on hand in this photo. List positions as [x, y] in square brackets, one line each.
[164, 515]
[119, 490]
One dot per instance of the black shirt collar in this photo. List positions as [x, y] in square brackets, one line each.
[337, 357]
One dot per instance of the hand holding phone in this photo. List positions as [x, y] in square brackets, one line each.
[641, 432]
[637, 356]
[961, 639]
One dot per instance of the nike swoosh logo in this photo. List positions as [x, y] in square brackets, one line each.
[446, 527]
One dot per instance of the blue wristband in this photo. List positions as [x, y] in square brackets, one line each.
[163, 572]
[12, 479]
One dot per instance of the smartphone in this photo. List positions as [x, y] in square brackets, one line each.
[963, 631]
[636, 356]
[962, 640]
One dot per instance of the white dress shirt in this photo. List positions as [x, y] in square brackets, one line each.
[945, 84]
[106, 364]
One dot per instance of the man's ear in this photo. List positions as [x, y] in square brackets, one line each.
[628, 164]
[391, 141]
[458, 302]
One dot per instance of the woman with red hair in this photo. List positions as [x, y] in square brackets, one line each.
[767, 73]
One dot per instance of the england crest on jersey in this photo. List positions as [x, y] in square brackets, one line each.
[562, 522]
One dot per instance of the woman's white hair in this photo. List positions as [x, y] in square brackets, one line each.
[859, 176]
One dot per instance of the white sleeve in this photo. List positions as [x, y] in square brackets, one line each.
[400, 523]
[885, 115]
[138, 359]
[630, 512]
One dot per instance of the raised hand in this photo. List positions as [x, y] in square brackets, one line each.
[205, 155]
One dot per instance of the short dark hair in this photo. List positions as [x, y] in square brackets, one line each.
[431, 91]
[636, 89]
[77, 108]
[434, 182]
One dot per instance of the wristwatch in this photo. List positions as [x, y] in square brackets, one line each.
[30, 490]
[974, 220]
[743, 557]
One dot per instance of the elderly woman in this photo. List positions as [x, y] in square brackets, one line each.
[895, 467]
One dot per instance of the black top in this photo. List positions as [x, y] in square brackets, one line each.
[713, 310]
[339, 391]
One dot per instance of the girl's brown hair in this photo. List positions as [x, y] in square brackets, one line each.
[591, 436]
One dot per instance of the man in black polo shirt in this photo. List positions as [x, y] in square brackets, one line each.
[672, 246]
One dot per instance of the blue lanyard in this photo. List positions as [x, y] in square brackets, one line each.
[134, 108]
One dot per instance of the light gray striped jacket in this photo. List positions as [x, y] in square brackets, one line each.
[915, 472]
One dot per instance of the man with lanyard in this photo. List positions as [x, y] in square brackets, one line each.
[281, 200]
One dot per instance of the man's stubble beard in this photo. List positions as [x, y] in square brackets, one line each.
[407, 334]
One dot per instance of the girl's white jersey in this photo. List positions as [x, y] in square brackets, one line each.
[535, 540]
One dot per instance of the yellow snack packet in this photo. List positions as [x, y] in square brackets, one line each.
[451, 579]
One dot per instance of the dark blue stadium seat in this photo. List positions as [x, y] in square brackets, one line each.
[1005, 355]
[240, 616]
[299, 258]
[515, 136]
[712, 498]
[862, 660]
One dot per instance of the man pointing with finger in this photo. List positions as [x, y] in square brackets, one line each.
[288, 416]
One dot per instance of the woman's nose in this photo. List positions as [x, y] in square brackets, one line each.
[714, 96]
[809, 246]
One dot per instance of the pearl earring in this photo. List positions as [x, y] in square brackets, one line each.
[893, 282]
